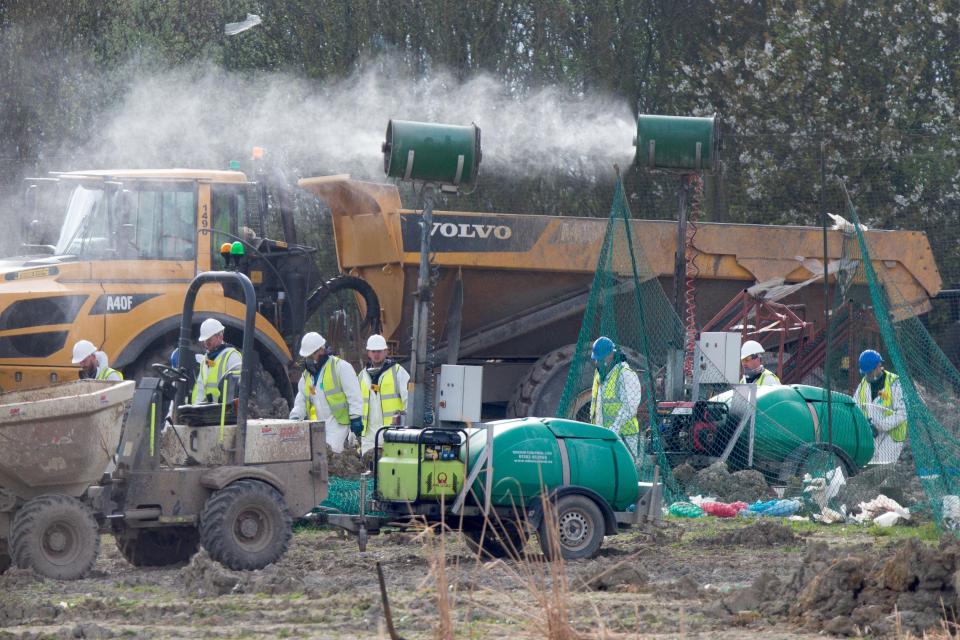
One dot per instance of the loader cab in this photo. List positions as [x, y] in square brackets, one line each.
[112, 220]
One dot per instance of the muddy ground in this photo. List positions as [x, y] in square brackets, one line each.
[704, 578]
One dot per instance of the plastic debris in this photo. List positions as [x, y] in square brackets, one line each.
[871, 511]
[822, 490]
[950, 518]
[723, 509]
[233, 28]
[686, 510]
[831, 516]
[773, 508]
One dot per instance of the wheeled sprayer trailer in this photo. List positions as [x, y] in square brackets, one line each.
[228, 485]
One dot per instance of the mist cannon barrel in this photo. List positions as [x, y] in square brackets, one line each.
[677, 143]
[442, 153]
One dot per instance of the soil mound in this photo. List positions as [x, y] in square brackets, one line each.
[204, 577]
[717, 481]
[897, 481]
[861, 592]
[344, 465]
[760, 534]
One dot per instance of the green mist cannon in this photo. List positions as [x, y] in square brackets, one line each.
[442, 154]
[688, 147]
[678, 144]
[434, 156]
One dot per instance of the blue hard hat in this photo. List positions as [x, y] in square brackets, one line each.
[175, 358]
[869, 360]
[602, 347]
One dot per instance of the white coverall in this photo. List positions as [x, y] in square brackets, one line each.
[103, 363]
[886, 450]
[375, 418]
[336, 433]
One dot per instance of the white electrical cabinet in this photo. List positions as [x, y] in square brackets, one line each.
[458, 394]
[718, 357]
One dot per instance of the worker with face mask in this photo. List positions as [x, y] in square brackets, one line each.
[615, 396]
[219, 376]
[880, 397]
[753, 369]
[328, 391]
[93, 363]
[383, 386]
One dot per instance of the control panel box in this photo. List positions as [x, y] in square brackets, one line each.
[718, 357]
[459, 392]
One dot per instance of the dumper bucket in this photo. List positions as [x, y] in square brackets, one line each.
[60, 439]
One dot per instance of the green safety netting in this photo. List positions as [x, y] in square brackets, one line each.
[799, 440]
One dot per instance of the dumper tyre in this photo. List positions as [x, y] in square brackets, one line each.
[246, 525]
[5, 562]
[505, 538]
[57, 536]
[575, 527]
[540, 390]
[343, 282]
[160, 547]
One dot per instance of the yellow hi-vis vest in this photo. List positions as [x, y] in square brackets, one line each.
[765, 375]
[208, 379]
[390, 401]
[106, 372]
[899, 432]
[332, 392]
[610, 401]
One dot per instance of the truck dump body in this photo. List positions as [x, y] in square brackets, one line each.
[513, 264]
[59, 439]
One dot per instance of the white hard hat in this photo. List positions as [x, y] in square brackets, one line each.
[311, 342]
[376, 342]
[209, 328]
[750, 348]
[81, 350]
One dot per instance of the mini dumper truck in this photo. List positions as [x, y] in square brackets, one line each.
[572, 483]
[212, 478]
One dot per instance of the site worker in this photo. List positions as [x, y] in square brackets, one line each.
[616, 393]
[753, 370]
[383, 386]
[93, 363]
[880, 397]
[219, 375]
[328, 391]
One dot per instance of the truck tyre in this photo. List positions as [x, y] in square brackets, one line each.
[246, 525]
[539, 391]
[342, 282]
[502, 539]
[56, 536]
[815, 459]
[575, 529]
[159, 547]
[266, 400]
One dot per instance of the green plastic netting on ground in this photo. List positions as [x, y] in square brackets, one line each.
[343, 495]
[627, 304]
[930, 383]
[790, 439]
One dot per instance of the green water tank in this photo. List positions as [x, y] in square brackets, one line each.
[790, 416]
[534, 452]
[442, 153]
[677, 143]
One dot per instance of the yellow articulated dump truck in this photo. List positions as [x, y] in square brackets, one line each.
[526, 278]
[129, 245]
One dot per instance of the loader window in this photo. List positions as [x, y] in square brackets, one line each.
[146, 223]
[156, 224]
